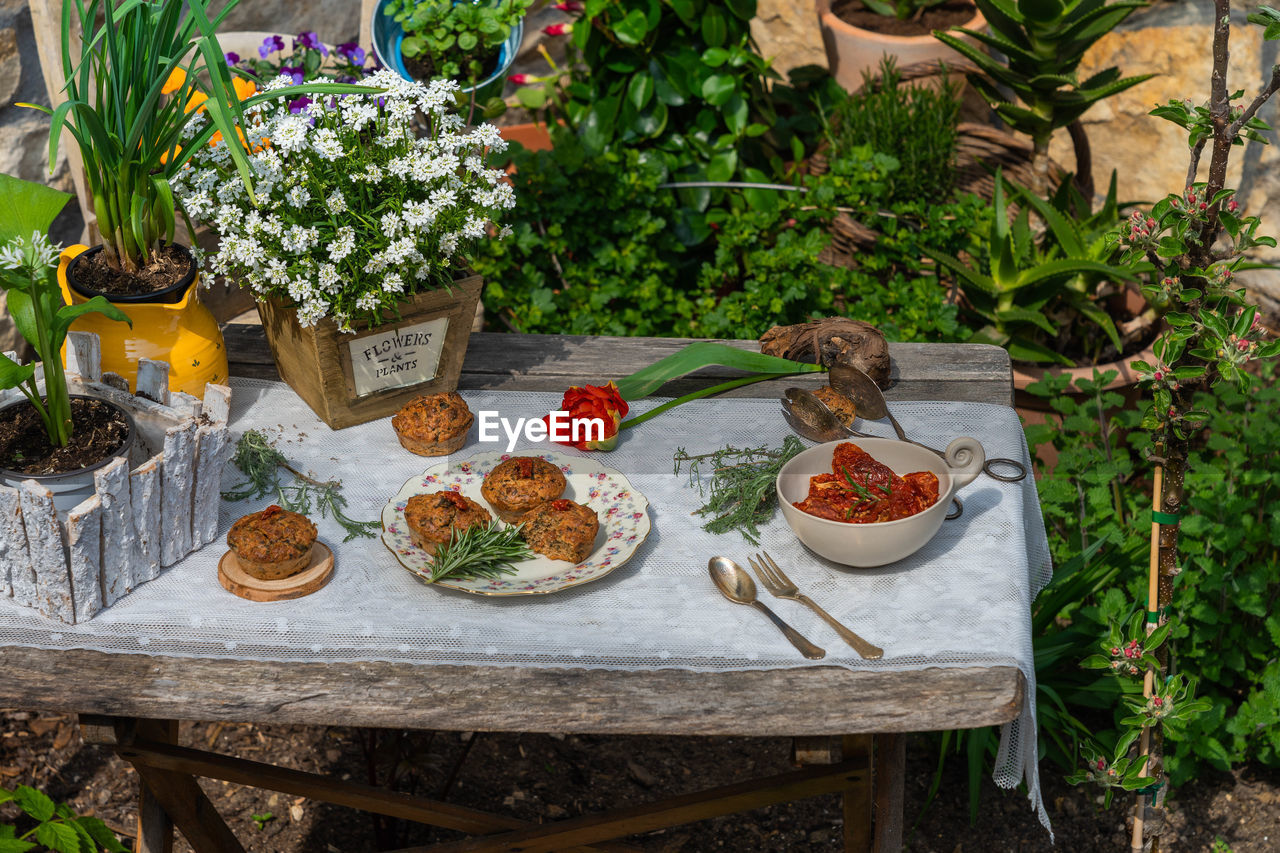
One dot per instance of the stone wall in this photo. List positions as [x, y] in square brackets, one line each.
[1149, 154]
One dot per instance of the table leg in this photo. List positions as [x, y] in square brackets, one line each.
[168, 798]
[858, 798]
[889, 779]
[155, 829]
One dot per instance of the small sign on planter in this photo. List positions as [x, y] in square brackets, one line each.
[398, 358]
[350, 379]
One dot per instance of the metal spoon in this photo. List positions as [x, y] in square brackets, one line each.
[737, 586]
[865, 394]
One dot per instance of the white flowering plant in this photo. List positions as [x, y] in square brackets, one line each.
[354, 211]
[29, 276]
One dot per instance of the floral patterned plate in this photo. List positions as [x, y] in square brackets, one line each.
[623, 514]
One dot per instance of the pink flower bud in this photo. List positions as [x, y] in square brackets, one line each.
[1233, 206]
[1158, 375]
[1115, 651]
[1203, 206]
[558, 29]
[569, 6]
[520, 79]
[1102, 764]
[1243, 346]
[1151, 223]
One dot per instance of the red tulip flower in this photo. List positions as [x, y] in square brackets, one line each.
[600, 403]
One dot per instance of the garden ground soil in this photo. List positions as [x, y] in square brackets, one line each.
[550, 777]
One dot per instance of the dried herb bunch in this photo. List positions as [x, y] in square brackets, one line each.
[261, 463]
[740, 491]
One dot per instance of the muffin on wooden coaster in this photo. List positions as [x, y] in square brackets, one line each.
[272, 544]
[561, 529]
[434, 424]
[520, 483]
[433, 518]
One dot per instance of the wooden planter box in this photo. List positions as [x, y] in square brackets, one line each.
[149, 510]
[350, 379]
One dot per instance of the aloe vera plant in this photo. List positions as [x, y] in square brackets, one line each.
[1035, 293]
[1042, 43]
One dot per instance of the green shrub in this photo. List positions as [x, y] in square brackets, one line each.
[916, 124]
[594, 253]
[1225, 630]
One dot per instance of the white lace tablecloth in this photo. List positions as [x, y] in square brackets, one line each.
[963, 600]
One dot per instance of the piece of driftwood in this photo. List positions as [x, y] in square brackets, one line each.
[149, 510]
[832, 340]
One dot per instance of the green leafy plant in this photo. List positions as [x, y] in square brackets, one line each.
[1041, 44]
[261, 820]
[875, 117]
[684, 82]
[57, 827]
[1022, 293]
[459, 41]
[901, 9]
[138, 74]
[29, 275]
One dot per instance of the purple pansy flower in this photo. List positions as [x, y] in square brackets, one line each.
[270, 44]
[297, 105]
[351, 51]
[310, 40]
[294, 71]
[232, 57]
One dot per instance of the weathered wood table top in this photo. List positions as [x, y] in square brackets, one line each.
[815, 700]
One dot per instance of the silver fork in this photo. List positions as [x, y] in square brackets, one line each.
[776, 581]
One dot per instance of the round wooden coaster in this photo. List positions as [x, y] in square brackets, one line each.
[236, 580]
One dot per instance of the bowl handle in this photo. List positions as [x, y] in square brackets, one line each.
[965, 457]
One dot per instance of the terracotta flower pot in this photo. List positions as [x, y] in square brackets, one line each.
[853, 51]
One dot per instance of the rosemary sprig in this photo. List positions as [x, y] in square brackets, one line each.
[741, 494]
[261, 464]
[480, 552]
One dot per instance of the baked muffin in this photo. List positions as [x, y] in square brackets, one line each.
[272, 544]
[519, 484]
[433, 518]
[433, 425]
[561, 529]
[840, 405]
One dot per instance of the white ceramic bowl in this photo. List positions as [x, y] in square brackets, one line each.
[880, 543]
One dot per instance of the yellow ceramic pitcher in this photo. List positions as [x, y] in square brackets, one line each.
[183, 333]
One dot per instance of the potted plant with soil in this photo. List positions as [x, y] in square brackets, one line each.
[147, 85]
[356, 242]
[53, 438]
[472, 42]
[858, 34]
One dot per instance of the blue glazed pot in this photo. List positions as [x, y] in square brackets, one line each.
[388, 34]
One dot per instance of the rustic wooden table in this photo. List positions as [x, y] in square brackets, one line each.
[847, 724]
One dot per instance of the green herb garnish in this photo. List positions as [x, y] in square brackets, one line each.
[741, 489]
[482, 551]
[860, 489]
[261, 463]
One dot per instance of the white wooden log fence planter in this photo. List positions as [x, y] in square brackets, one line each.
[149, 511]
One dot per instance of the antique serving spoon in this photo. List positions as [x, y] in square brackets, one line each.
[870, 402]
[736, 585]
